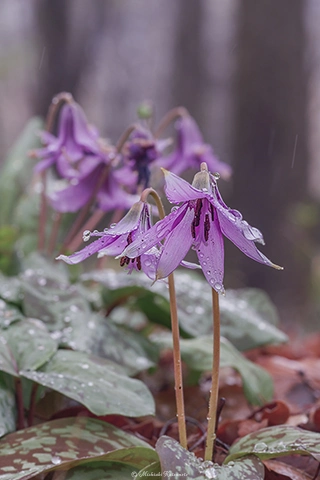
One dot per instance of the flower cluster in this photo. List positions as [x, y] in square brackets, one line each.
[90, 169]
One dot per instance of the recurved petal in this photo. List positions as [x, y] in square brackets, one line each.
[86, 252]
[211, 257]
[233, 229]
[130, 221]
[144, 241]
[176, 245]
[178, 190]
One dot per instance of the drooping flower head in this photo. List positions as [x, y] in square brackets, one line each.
[191, 151]
[140, 151]
[84, 165]
[112, 241]
[76, 150]
[201, 221]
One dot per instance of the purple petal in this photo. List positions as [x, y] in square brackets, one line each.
[83, 135]
[74, 197]
[211, 257]
[144, 241]
[149, 263]
[178, 190]
[86, 252]
[176, 245]
[233, 229]
[130, 221]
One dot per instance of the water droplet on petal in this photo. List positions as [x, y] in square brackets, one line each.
[56, 460]
[113, 225]
[86, 235]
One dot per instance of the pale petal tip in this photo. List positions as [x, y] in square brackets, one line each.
[277, 267]
[165, 171]
[64, 258]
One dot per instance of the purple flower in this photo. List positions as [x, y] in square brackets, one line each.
[200, 222]
[191, 151]
[76, 150]
[109, 196]
[113, 240]
[141, 150]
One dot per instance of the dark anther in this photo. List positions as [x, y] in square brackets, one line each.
[206, 227]
[212, 211]
[127, 260]
[139, 263]
[129, 238]
[122, 261]
[197, 212]
[193, 229]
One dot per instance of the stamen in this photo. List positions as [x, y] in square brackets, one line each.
[193, 229]
[129, 238]
[197, 212]
[212, 211]
[206, 227]
[122, 261]
[139, 262]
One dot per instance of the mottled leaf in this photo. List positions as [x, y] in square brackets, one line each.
[30, 344]
[68, 316]
[177, 463]
[8, 410]
[277, 441]
[197, 353]
[67, 443]
[152, 470]
[247, 316]
[97, 383]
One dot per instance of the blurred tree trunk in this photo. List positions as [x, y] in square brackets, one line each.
[189, 75]
[270, 144]
[68, 33]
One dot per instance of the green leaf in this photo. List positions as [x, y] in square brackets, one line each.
[197, 353]
[18, 170]
[99, 471]
[178, 463]
[97, 383]
[8, 314]
[247, 315]
[8, 410]
[10, 289]
[152, 470]
[277, 441]
[67, 443]
[30, 344]
[68, 316]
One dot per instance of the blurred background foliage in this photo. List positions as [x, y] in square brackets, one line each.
[247, 71]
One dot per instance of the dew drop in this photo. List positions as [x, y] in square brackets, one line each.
[56, 460]
[260, 447]
[174, 209]
[113, 225]
[86, 235]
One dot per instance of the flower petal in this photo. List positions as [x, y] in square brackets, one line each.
[86, 252]
[130, 221]
[144, 241]
[234, 230]
[176, 245]
[178, 190]
[211, 257]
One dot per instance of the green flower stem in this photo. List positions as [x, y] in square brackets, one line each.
[213, 400]
[168, 118]
[175, 335]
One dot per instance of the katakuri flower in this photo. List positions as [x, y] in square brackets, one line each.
[199, 222]
[191, 151]
[113, 240]
[140, 151]
[76, 150]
